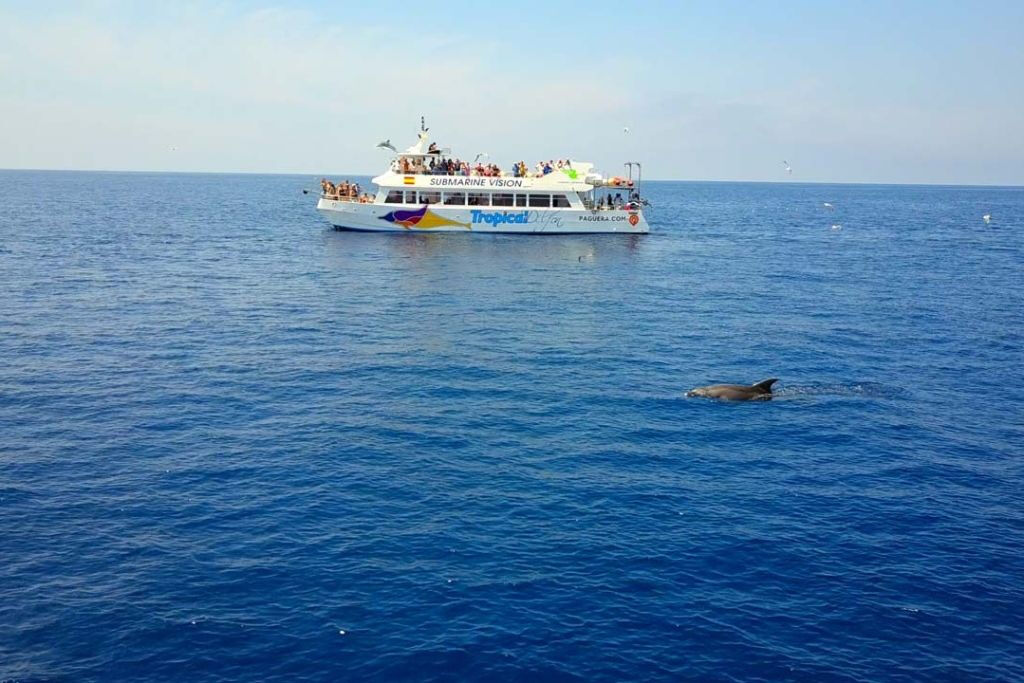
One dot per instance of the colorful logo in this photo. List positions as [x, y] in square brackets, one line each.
[633, 219]
[571, 172]
[421, 219]
[499, 217]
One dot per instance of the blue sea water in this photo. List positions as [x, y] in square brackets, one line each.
[238, 445]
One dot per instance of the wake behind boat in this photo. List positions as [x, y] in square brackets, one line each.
[426, 189]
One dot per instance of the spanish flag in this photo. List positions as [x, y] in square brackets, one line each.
[410, 180]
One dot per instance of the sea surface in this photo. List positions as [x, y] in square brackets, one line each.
[238, 445]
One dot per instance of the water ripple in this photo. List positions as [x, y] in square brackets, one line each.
[237, 444]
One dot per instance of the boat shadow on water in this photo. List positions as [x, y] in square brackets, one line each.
[344, 244]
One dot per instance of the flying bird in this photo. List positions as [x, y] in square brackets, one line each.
[828, 206]
[480, 155]
[987, 218]
[788, 167]
[386, 144]
[625, 129]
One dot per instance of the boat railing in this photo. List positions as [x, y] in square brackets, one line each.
[598, 206]
[337, 198]
[472, 174]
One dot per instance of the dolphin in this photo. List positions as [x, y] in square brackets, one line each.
[762, 391]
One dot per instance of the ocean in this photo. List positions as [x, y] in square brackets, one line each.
[236, 444]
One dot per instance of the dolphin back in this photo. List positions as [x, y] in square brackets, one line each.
[765, 385]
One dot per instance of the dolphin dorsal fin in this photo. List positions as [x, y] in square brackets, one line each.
[765, 385]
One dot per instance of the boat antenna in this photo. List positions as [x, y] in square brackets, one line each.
[423, 125]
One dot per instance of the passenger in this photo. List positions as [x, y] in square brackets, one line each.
[618, 200]
[433, 149]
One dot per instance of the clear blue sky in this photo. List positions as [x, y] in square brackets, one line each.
[862, 92]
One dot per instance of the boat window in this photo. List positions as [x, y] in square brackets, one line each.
[501, 199]
[430, 197]
[540, 200]
[560, 201]
[394, 197]
[520, 200]
[410, 196]
[478, 199]
[456, 198]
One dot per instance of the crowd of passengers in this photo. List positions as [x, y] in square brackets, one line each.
[345, 191]
[439, 165]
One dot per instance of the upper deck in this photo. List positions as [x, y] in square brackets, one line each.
[429, 167]
[561, 180]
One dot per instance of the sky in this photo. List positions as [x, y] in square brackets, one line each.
[886, 92]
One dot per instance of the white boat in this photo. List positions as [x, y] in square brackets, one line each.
[569, 199]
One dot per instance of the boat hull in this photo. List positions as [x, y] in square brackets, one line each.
[348, 215]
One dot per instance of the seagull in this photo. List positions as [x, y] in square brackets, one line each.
[987, 218]
[828, 206]
[837, 226]
[788, 168]
[386, 144]
[625, 129]
[481, 154]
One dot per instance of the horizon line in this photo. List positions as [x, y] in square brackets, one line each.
[655, 180]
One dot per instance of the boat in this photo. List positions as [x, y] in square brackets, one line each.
[420, 193]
